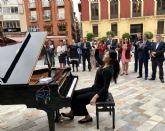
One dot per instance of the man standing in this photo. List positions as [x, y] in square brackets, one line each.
[143, 55]
[157, 57]
[86, 47]
[111, 44]
[136, 43]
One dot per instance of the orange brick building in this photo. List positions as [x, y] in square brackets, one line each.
[54, 16]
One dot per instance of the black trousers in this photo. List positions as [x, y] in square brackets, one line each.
[145, 63]
[136, 61]
[156, 63]
[86, 57]
[80, 99]
[75, 62]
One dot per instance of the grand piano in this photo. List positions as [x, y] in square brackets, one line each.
[48, 89]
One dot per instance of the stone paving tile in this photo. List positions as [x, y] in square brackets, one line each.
[140, 106]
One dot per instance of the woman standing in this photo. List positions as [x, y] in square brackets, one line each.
[101, 47]
[61, 53]
[73, 54]
[125, 55]
[99, 90]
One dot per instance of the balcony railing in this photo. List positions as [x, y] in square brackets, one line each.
[33, 19]
[161, 12]
[60, 2]
[113, 16]
[94, 17]
[46, 4]
[46, 17]
[32, 5]
[136, 14]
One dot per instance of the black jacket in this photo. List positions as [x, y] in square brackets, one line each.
[159, 51]
[143, 52]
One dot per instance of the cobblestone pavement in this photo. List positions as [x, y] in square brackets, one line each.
[140, 106]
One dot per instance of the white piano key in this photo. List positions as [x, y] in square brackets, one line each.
[71, 88]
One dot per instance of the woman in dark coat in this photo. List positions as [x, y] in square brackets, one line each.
[98, 92]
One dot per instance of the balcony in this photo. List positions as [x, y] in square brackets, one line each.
[46, 4]
[62, 33]
[113, 16]
[161, 12]
[32, 5]
[60, 2]
[95, 18]
[136, 14]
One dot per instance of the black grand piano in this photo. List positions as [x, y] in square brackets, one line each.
[45, 89]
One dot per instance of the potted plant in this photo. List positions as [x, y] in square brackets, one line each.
[149, 34]
[126, 35]
[90, 36]
[110, 33]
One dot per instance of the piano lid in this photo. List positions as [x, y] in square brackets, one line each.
[18, 61]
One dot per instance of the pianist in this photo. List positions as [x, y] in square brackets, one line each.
[98, 92]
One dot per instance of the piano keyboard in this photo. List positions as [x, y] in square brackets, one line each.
[72, 88]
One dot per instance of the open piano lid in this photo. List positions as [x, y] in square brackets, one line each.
[18, 61]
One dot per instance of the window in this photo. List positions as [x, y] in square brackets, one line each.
[48, 28]
[160, 27]
[61, 13]
[32, 4]
[95, 29]
[60, 2]
[33, 16]
[62, 27]
[47, 14]
[160, 7]
[114, 28]
[14, 10]
[136, 8]
[113, 9]
[94, 10]
[34, 28]
[45, 3]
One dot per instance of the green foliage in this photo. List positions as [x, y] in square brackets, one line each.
[90, 36]
[126, 35]
[149, 34]
[110, 33]
[104, 39]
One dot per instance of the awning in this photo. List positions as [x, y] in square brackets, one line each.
[57, 37]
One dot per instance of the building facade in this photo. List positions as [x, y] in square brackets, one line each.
[54, 16]
[12, 16]
[121, 16]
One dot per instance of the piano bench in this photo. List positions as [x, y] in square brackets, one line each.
[106, 106]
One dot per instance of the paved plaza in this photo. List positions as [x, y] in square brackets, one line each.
[140, 106]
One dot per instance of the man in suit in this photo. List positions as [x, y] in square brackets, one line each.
[111, 44]
[86, 47]
[157, 57]
[143, 55]
[136, 45]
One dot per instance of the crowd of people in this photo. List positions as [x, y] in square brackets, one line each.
[90, 54]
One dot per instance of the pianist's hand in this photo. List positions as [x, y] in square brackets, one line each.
[94, 99]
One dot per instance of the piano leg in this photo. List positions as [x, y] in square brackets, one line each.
[50, 115]
[58, 116]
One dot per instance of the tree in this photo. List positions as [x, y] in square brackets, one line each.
[104, 39]
[126, 35]
[149, 34]
[110, 33]
[90, 36]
